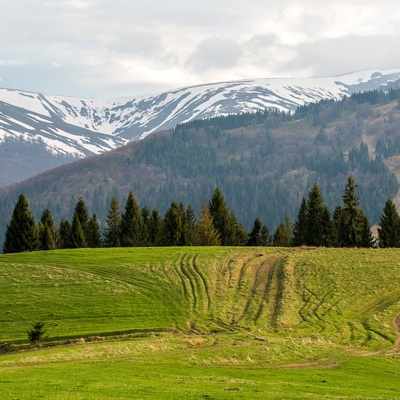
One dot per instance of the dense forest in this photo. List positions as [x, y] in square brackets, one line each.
[265, 163]
[215, 225]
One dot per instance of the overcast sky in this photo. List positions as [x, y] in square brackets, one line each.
[112, 48]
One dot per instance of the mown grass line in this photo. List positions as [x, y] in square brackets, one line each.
[203, 281]
[266, 293]
[185, 272]
[280, 287]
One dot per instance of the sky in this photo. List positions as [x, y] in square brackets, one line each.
[122, 48]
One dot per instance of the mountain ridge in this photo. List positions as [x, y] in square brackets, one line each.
[62, 128]
[263, 162]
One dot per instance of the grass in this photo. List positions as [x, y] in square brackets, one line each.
[202, 323]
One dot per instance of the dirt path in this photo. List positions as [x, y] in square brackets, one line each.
[396, 324]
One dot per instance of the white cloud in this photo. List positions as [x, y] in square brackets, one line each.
[126, 47]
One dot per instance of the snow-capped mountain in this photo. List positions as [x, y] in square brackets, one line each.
[61, 128]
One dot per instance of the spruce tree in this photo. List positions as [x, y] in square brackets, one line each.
[145, 212]
[112, 231]
[352, 218]
[155, 229]
[190, 224]
[366, 238]
[240, 236]
[174, 226]
[389, 230]
[94, 233]
[350, 226]
[65, 235]
[255, 234]
[337, 218]
[300, 226]
[205, 233]
[83, 215]
[265, 236]
[21, 232]
[283, 235]
[78, 235]
[222, 218]
[131, 223]
[318, 220]
[48, 237]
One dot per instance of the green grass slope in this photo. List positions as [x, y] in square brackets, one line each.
[194, 323]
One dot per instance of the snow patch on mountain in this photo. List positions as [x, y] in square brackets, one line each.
[81, 127]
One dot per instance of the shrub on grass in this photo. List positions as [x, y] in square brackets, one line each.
[37, 333]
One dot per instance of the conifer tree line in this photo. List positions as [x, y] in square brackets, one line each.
[215, 225]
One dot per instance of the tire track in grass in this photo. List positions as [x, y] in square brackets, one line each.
[172, 287]
[253, 294]
[203, 281]
[266, 292]
[279, 274]
[379, 305]
[241, 282]
[224, 285]
[226, 293]
[178, 269]
[239, 285]
[185, 271]
[143, 286]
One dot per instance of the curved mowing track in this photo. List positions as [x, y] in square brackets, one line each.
[194, 284]
[249, 292]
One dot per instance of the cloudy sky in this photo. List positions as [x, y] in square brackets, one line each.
[112, 48]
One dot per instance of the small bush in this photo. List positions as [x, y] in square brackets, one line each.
[37, 333]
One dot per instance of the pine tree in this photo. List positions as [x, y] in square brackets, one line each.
[155, 229]
[337, 226]
[21, 232]
[112, 231]
[190, 224]
[255, 234]
[78, 236]
[352, 217]
[350, 214]
[65, 235]
[205, 233]
[283, 235]
[266, 238]
[48, 238]
[222, 218]
[145, 212]
[327, 228]
[300, 226]
[174, 226]
[94, 233]
[389, 230]
[366, 238]
[131, 223]
[240, 236]
[318, 220]
[83, 215]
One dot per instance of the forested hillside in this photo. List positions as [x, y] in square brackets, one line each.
[264, 164]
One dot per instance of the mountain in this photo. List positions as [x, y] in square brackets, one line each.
[264, 163]
[38, 132]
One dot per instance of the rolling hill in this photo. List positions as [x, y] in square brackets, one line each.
[166, 323]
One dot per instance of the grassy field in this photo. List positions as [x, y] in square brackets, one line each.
[202, 323]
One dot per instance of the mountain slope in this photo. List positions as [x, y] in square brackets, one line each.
[63, 128]
[264, 163]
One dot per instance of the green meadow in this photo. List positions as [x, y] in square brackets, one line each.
[201, 323]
